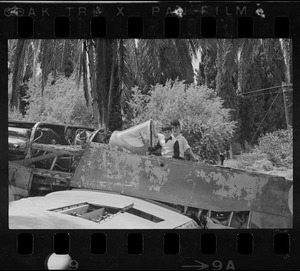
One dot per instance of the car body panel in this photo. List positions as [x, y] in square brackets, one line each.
[37, 212]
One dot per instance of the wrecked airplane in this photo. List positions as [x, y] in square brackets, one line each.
[49, 157]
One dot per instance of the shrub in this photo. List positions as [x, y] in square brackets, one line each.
[60, 103]
[278, 146]
[205, 123]
[253, 161]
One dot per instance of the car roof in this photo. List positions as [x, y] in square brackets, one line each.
[35, 212]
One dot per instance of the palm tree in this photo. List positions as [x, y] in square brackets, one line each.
[286, 47]
[108, 68]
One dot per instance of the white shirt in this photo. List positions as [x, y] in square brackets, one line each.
[167, 149]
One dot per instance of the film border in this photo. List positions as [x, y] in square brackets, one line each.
[190, 255]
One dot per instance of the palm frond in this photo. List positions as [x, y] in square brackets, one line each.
[185, 60]
[12, 46]
[247, 49]
[92, 62]
[113, 48]
[150, 54]
[84, 75]
[230, 48]
[18, 70]
[101, 82]
[193, 47]
[36, 52]
[120, 60]
[77, 59]
[78, 68]
[46, 56]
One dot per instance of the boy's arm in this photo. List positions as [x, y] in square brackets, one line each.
[191, 154]
[155, 148]
[188, 150]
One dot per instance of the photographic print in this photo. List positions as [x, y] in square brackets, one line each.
[150, 133]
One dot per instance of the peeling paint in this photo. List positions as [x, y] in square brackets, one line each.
[202, 175]
[238, 185]
[158, 175]
[199, 185]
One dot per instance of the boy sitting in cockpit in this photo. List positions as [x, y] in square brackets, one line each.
[165, 142]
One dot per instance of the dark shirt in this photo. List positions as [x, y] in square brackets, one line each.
[176, 151]
[158, 146]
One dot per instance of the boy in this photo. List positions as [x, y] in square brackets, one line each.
[165, 142]
[181, 145]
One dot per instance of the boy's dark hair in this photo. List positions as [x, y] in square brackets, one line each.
[166, 128]
[175, 123]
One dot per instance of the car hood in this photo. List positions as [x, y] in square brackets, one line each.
[35, 212]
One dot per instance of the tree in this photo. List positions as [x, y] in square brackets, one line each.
[207, 72]
[205, 122]
[262, 111]
[109, 69]
[286, 47]
[225, 62]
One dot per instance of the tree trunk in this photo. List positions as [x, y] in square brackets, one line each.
[111, 83]
[84, 74]
[101, 79]
[115, 116]
[286, 49]
[18, 71]
[94, 93]
[224, 85]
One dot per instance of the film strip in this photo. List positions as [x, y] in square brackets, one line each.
[273, 248]
[162, 21]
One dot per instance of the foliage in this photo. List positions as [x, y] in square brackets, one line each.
[206, 75]
[225, 62]
[62, 103]
[278, 146]
[110, 69]
[253, 161]
[274, 153]
[262, 112]
[205, 123]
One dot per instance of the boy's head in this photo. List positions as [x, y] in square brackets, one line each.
[175, 123]
[167, 130]
[175, 127]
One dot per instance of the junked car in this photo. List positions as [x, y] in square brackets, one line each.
[84, 209]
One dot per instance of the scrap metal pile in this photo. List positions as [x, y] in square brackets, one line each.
[49, 157]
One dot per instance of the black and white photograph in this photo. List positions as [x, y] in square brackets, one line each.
[150, 133]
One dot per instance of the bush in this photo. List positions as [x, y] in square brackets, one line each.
[205, 123]
[253, 161]
[278, 146]
[61, 103]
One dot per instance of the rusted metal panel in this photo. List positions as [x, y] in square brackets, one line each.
[20, 176]
[71, 150]
[52, 173]
[187, 183]
[270, 221]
